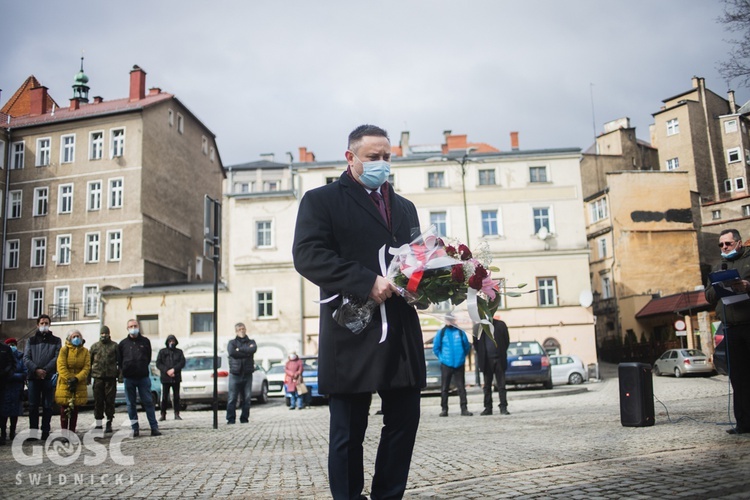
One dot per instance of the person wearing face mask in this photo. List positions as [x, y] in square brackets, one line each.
[135, 356]
[292, 377]
[73, 368]
[104, 363]
[11, 390]
[241, 352]
[339, 232]
[170, 361]
[736, 321]
[40, 358]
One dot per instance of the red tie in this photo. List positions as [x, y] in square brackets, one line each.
[378, 199]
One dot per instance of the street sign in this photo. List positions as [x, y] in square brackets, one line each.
[679, 325]
[681, 333]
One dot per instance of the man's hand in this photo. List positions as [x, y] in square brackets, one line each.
[170, 372]
[40, 373]
[382, 290]
[741, 286]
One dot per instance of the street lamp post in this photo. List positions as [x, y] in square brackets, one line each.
[463, 161]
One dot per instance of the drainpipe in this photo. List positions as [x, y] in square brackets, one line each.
[702, 86]
[5, 224]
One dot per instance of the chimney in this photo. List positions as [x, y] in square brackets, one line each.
[514, 141]
[38, 100]
[154, 91]
[137, 83]
[267, 156]
[98, 99]
[75, 104]
[404, 144]
[732, 102]
[305, 155]
[696, 79]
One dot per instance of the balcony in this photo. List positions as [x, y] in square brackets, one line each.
[63, 312]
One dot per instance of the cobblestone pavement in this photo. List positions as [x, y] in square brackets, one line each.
[563, 443]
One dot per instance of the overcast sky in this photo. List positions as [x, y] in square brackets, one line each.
[269, 77]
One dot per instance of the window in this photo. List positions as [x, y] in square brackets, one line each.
[739, 184]
[114, 245]
[180, 123]
[673, 164]
[38, 252]
[92, 247]
[90, 300]
[734, 155]
[542, 218]
[2, 154]
[439, 219]
[435, 179]
[94, 195]
[606, 287]
[36, 302]
[537, 174]
[547, 291]
[728, 185]
[746, 210]
[263, 234]
[19, 150]
[264, 300]
[43, 152]
[67, 148]
[63, 249]
[269, 186]
[244, 187]
[202, 322]
[14, 204]
[62, 302]
[212, 154]
[12, 253]
[601, 244]
[65, 199]
[598, 209]
[118, 142]
[673, 127]
[716, 214]
[115, 193]
[487, 177]
[204, 145]
[149, 324]
[170, 118]
[41, 201]
[489, 223]
[96, 145]
[10, 305]
[730, 126]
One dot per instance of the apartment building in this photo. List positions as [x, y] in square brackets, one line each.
[100, 195]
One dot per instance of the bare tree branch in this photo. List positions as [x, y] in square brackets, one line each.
[736, 19]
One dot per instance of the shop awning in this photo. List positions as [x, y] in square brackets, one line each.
[678, 303]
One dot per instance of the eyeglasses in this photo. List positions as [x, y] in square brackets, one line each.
[723, 244]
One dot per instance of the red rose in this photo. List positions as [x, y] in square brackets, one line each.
[475, 282]
[481, 272]
[451, 250]
[457, 273]
[464, 251]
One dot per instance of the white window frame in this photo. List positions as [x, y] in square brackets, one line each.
[41, 201]
[438, 175]
[715, 214]
[96, 145]
[489, 172]
[18, 156]
[94, 195]
[12, 254]
[15, 204]
[65, 199]
[746, 210]
[212, 154]
[606, 287]
[533, 179]
[64, 249]
[61, 299]
[728, 185]
[204, 144]
[739, 184]
[497, 221]
[38, 252]
[673, 127]
[43, 151]
[117, 142]
[260, 301]
[550, 218]
[598, 210]
[271, 186]
[441, 226]
[601, 245]
[90, 300]
[10, 296]
[544, 289]
[36, 303]
[730, 126]
[263, 233]
[734, 155]
[170, 117]
[115, 194]
[67, 148]
[673, 163]
[180, 123]
[114, 245]
[93, 249]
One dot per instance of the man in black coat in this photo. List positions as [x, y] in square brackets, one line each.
[492, 360]
[170, 361]
[339, 232]
[40, 358]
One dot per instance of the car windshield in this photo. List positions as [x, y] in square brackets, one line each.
[276, 369]
[525, 349]
[687, 353]
[200, 363]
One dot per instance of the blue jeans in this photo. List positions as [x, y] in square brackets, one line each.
[41, 391]
[239, 385]
[143, 386]
[296, 399]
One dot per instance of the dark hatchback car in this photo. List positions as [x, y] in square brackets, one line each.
[528, 363]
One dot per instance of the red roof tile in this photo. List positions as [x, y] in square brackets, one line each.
[677, 303]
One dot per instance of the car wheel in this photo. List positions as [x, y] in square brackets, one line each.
[575, 378]
[263, 398]
[548, 383]
[657, 372]
[677, 373]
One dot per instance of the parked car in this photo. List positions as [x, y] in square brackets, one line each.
[568, 369]
[434, 377]
[197, 380]
[528, 363]
[275, 377]
[155, 377]
[310, 378]
[682, 362]
[720, 357]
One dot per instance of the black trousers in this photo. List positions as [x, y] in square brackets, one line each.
[446, 374]
[494, 370]
[175, 397]
[105, 390]
[738, 343]
[349, 419]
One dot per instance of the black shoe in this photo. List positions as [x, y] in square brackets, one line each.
[735, 431]
[444, 413]
[108, 426]
[230, 422]
[504, 411]
[163, 417]
[487, 411]
[292, 408]
[155, 432]
[136, 433]
[177, 417]
[379, 412]
[466, 413]
[45, 435]
[98, 427]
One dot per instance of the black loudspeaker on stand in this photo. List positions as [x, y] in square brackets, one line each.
[636, 394]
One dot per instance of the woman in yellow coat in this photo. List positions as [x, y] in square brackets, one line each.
[73, 367]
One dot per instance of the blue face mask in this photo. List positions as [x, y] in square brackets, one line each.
[374, 173]
[77, 341]
[729, 255]
[14, 348]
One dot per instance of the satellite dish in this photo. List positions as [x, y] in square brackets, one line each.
[586, 298]
[543, 233]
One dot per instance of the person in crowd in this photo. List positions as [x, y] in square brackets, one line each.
[339, 231]
[292, 377]
[736, 321]
[451, 347]
[170, 361]
[135, 356]
[492, 360]
[40, 358]
[241, 352]
[73, 369]
[104, 371]
[11, 392]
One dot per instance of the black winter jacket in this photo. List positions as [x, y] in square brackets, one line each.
[170, 358]
[41, 352]
[241, 351]
[135, 355]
